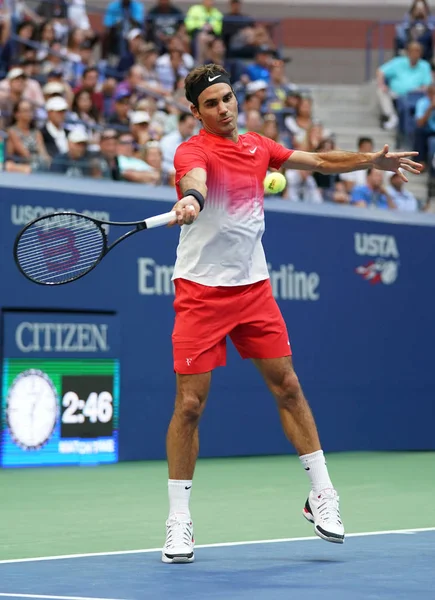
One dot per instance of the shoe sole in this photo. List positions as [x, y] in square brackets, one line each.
[178, 559]
[321, 533]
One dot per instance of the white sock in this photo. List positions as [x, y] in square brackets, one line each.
[315, 466]
[179, 496]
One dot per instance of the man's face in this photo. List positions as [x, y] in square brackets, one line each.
[108, 146]
[77, 149]
[57, 117]
[90, 80]
[122, 107]
[235, 7]
[365, 147]
[187, 127]
[376, 179]
[17, 85]
[135, 76]
[414, 52]
[125, 145]
[396, 182]
[217, 110]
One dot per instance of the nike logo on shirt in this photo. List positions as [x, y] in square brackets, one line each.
[213, 78]
[254, 150]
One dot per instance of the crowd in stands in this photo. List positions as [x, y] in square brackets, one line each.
[110, 104]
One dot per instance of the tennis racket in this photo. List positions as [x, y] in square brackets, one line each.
[62, 247]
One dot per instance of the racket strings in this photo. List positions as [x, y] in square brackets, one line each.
[60, 248]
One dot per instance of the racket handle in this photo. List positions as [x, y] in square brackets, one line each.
[160, 220]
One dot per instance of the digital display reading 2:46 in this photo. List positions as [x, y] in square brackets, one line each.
[87, 406]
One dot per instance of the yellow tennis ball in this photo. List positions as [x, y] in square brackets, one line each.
[274, 183]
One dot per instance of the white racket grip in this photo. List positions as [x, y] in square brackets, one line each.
[160, 220]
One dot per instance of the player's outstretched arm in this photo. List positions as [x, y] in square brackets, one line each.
[338, 161]
[193, 186]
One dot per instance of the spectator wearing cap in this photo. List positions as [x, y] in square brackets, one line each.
[121, 109]
[162, 23]
[170, 142]
[90, 84]
[32, 89]
[54, 133]
[12, 90]
[260, 68]
[401, 197]
[74, 162]
[140, 127]
[108, 157]
[132, 168]
[135, 41]
[25, 143]
[120, 17]
[57, 76]
[53, 88]
[235, 24]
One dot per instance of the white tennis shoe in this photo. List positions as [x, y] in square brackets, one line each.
[180, 542]
[323, 510]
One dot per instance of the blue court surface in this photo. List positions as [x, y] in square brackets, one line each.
[382, 565]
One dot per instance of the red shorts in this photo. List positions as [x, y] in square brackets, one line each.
[205, 315]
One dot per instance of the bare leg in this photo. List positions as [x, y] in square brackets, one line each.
[295, 414]
[182, 441]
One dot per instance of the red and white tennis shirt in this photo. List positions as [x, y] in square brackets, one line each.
[223, 246]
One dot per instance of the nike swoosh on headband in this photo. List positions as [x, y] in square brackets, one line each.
[213, 78]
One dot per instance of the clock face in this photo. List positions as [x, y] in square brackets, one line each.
[32, 409]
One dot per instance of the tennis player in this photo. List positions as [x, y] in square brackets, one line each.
[222, 289]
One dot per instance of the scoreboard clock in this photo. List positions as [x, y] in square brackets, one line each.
[58, 412]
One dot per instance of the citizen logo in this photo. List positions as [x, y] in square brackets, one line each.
[61, 337]
[213, 78]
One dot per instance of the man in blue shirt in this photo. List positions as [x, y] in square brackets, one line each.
[400, 76]
[260, 69]
[373, 194]
[121, 16]
[424, 140]
[402, 198]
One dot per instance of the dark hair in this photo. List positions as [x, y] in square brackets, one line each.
[93, 112]
[197, 74]
[414, 4]
[364, 140]
[184, 116]
[89, 70]
[16, 108]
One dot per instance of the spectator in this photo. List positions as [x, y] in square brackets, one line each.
[131, 168]
[170, 69]
[84, 112]
[5, 30]
[130, 57]
[254, 122]
[416, 27]
[46, 36]
[235, 23]
[77, 69]
[373, 194]
[271, 129]
[77, 15]
[424, 142]
[12, 90]
[54, 133]
[251, 102]
[140, 128]
[162, 23]
[25, 143]
[301, 123]
[147, 60]
[13, 51]
[278, 88]
[56, 76]
[55, 60]
[152, 155]
[133, 83]
[108, 158]
[302, 187]
[403, 199]
[31, 89]
[122, 106]
[120, 17]
[398, 77]
[216, 52]
[202, 22]
[170, 142]
[260, 69]
[90, 83]
[76, 37]
[358, 178]
[56, 11]
[75, 162]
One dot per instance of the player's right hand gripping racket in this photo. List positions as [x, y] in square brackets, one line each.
[62, 247]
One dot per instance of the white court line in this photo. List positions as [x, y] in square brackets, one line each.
[218, 545]
[4, 595]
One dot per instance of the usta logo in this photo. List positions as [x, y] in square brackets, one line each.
[385, 266]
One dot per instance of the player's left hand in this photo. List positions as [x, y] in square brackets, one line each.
[187, 210]
[397, 162]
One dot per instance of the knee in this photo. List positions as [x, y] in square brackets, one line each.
[288, 391]
[189, 407]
